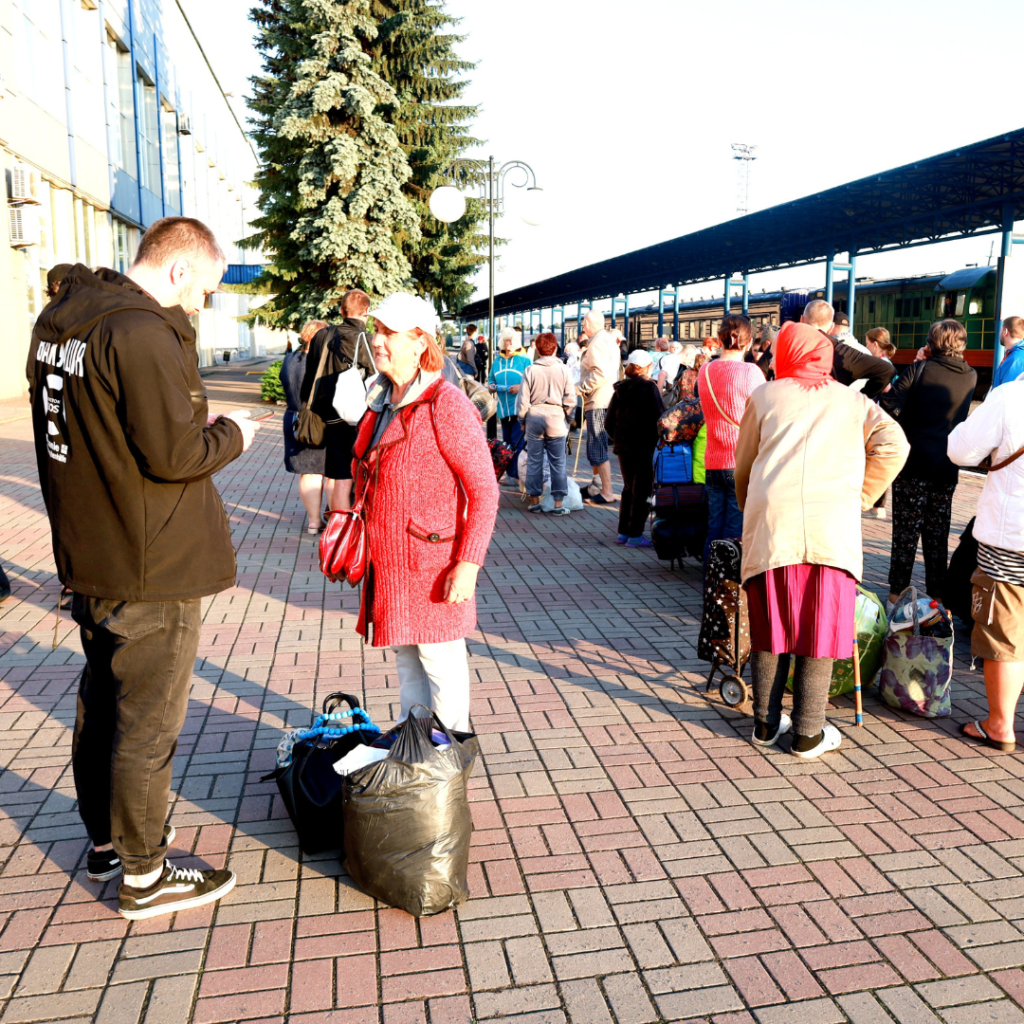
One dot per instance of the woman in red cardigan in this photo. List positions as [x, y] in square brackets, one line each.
[430, 505]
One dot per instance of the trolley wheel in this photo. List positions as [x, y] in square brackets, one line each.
[733, 691]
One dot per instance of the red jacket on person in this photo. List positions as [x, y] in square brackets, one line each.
[433, 504]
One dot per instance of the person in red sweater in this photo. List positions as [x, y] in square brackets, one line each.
[430, 501]
[723, 387]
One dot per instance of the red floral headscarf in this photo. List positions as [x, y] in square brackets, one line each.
[804, 353]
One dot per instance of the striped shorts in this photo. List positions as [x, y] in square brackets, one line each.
[597, 437]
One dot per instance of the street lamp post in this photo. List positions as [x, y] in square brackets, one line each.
[448, 204]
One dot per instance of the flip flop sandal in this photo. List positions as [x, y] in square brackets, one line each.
[983, 737]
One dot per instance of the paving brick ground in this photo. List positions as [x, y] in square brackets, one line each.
[635, 858]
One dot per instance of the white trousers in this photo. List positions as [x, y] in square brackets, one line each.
[437, 676]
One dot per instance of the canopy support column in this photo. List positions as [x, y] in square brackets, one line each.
[851, 289]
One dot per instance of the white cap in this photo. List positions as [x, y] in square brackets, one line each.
[638, 357]
[403, 312]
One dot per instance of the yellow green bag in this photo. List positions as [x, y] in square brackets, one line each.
[871, 624]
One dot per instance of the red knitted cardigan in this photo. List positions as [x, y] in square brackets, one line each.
[434, 503]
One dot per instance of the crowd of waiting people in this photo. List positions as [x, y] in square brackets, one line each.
[805, 430]
[790, 468]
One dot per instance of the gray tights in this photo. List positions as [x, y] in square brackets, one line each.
[811, 681]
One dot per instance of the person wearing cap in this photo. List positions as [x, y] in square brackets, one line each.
[632, 425]
[424, 474]
[505, 380]
[546, 400]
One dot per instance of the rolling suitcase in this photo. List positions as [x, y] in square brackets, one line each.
[724, 637]
[680, 522]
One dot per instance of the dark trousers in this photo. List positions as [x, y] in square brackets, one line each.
[637, 469]
[920, 509]
[511, 431]
[132, 699]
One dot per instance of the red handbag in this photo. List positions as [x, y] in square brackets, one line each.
[343, 548]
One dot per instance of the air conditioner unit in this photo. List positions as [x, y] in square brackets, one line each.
[184, 124]
[24, 225]
[24, 183]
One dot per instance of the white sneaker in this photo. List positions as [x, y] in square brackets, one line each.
[785, 724]
[830, 740]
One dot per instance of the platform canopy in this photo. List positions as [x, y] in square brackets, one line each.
[972, 190]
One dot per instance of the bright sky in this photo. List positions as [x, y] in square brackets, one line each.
[627, 111]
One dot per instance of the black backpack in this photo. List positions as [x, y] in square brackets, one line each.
[957, 591]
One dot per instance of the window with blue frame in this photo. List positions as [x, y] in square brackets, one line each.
[122, 106]
[172, 177]
[149, 133]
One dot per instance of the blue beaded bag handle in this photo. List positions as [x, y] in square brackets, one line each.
[324, 727]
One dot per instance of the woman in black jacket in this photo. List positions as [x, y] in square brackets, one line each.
[929, 399]
[632, 425]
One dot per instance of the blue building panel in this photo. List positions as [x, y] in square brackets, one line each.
[239, 273]
[125, 200]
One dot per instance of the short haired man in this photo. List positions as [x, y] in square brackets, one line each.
[599, 372]
[660, 348]
[126, 451]
[1012, 366]
[347, 344]
[848, 363]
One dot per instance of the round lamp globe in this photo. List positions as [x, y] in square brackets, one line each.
[447, 204]
[533, 207]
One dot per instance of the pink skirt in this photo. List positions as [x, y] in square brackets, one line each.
[803, 609]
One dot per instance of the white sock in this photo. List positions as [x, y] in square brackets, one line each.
[143, 881]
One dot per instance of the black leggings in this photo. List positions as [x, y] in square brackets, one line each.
[637, 468]
[920, 508]
[811, 680]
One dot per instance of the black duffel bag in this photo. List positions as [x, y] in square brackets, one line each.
[309, 785]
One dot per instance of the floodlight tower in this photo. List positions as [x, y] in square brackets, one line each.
[744, 153]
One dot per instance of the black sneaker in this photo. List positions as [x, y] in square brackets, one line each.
[101, 867]
[176, 889]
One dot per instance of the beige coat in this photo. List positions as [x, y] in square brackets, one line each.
[599, 370]
[808, 462]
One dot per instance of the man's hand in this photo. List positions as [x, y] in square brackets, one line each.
[245, 424]
[460, 583]
[211, 418]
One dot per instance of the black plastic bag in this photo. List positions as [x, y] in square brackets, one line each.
[407, 820]
[310, 787]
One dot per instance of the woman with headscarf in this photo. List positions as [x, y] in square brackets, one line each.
[812, 455]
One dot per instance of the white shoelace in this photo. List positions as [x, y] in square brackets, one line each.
[184, 875]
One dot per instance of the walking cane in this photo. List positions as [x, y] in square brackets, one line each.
[579, 445]
[858, 702]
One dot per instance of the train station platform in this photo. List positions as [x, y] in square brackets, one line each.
[635, 858]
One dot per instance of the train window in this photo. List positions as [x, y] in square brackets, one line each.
[974, 307]
[961, 298]
[899, 307]
[871, 305]
[917, 307]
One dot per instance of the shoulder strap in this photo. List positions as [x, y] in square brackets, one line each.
[1013, 458]
[319, 373]
[711, 391]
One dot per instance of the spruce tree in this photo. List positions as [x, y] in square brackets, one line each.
[415, 53]
[334, 215]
